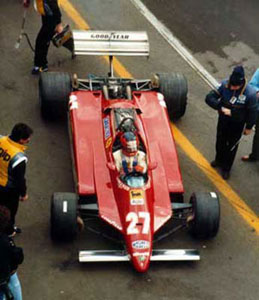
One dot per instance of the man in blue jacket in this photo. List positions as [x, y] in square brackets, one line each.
[235, 101]
[254, 155]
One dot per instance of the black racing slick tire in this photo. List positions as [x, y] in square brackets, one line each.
[206, 209]
[54, 91]
[174, 88]
[63, 217]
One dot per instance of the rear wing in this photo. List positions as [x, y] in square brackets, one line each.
[111, 43]
[126, 43]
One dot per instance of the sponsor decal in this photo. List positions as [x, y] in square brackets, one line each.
[112, 36]
[141, 244]
[108, 142]
[241, 99]
[73, 102]
[121, 185]
[142, 258]
[160, 97]
[161, 100]
[106, 126]
[136, 254]
[136, 197]
[137, 201]
[136, 194]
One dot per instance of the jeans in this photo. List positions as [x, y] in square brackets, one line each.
[228, 137]
[15, 287]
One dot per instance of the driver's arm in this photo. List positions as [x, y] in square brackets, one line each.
[118, 160]
[142, 162]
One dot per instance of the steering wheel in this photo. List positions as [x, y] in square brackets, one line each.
[120, 126]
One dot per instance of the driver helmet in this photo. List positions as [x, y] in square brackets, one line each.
[129, 142]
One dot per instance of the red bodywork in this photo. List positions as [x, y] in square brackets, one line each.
[136, 212]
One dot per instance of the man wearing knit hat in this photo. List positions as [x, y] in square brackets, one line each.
[235, 101]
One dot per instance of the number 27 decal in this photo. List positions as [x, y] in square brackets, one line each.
[134, 219]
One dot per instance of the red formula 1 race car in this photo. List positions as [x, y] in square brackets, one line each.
[124, 156]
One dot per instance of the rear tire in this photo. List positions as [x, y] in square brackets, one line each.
[64, 216]
[54, 91]
[174, 88]
[206, 209]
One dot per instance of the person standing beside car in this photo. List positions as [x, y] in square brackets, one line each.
[254, 155]
[10, 257]
[235, 101]
[12, 170]
[51, 24]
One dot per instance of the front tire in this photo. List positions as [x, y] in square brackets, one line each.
[174, 88]
[54, 91]
[64, 216]
[206, 209]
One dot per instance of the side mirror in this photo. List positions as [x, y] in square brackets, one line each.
[111, 166]
[152, 165]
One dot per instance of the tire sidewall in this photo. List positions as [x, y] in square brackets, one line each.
[174, 88]
[206, 209]
[54, 91]
[64, 216]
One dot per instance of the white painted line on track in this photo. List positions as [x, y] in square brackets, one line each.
[176, 44]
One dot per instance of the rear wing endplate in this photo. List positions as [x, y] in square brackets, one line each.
[111, 43]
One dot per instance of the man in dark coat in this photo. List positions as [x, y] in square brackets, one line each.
[235, 101]
[51, 23]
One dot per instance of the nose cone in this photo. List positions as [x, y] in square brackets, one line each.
[141, 260]
[139, 251]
